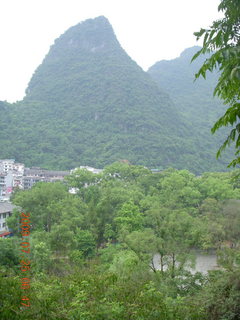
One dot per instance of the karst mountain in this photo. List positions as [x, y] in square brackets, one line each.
[89, 103]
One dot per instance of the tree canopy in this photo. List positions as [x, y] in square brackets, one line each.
[121, 247]
[222, 40]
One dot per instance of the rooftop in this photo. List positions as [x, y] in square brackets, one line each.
[6, 207]
[44, 172]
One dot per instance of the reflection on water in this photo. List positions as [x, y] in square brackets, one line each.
[204, 262]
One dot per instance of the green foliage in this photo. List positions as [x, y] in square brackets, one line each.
[222, 40]
[81, 178]
[41, 256]
[124, 262]
[198, 107]
[129, 217]
[229, 258]
[218, 186]
[39, 201]
[85, 242]
[10, 295]
[124, 171]
[61, 239]
[220, 299]
[122, 246]
[9, 252]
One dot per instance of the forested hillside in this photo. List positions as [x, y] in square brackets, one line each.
[89, 103]
[193, 99]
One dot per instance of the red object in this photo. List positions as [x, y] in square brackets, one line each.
[5, 234]
[9, 190]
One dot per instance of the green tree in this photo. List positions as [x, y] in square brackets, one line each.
[85, 242]
[222, 40]
[39, 202]
[211, 218]
[220, 299]
[61, 239]
[125, 171]
[129, 217]
[143, 244]
[9, 252]
[82, 178]
[231, 221]
[41, 256]
[218, 186]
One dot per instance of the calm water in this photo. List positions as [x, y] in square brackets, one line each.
[204, 262]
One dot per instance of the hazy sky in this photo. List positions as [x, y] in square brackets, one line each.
[149, 31]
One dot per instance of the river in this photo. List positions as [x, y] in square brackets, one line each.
[204, 262]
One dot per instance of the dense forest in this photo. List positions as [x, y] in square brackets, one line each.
[91, 252]
[89, 103]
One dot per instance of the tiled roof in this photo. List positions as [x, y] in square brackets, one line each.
[6, 207]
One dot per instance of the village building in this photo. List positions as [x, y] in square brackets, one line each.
[6, 209]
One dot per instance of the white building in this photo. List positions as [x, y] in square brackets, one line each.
[6, 183]
[6, 209]
[6, 165]
[11, 176]
[18, 167]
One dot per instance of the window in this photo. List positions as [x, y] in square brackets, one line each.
[4, 215]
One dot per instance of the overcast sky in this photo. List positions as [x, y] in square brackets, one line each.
[148, 30]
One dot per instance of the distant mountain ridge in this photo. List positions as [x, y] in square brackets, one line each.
[194, 99]
[176, 77]
[89, 103]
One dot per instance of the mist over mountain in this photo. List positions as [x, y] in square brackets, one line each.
[89, 103]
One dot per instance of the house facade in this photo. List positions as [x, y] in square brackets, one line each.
[35, 174]
[6, 209]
